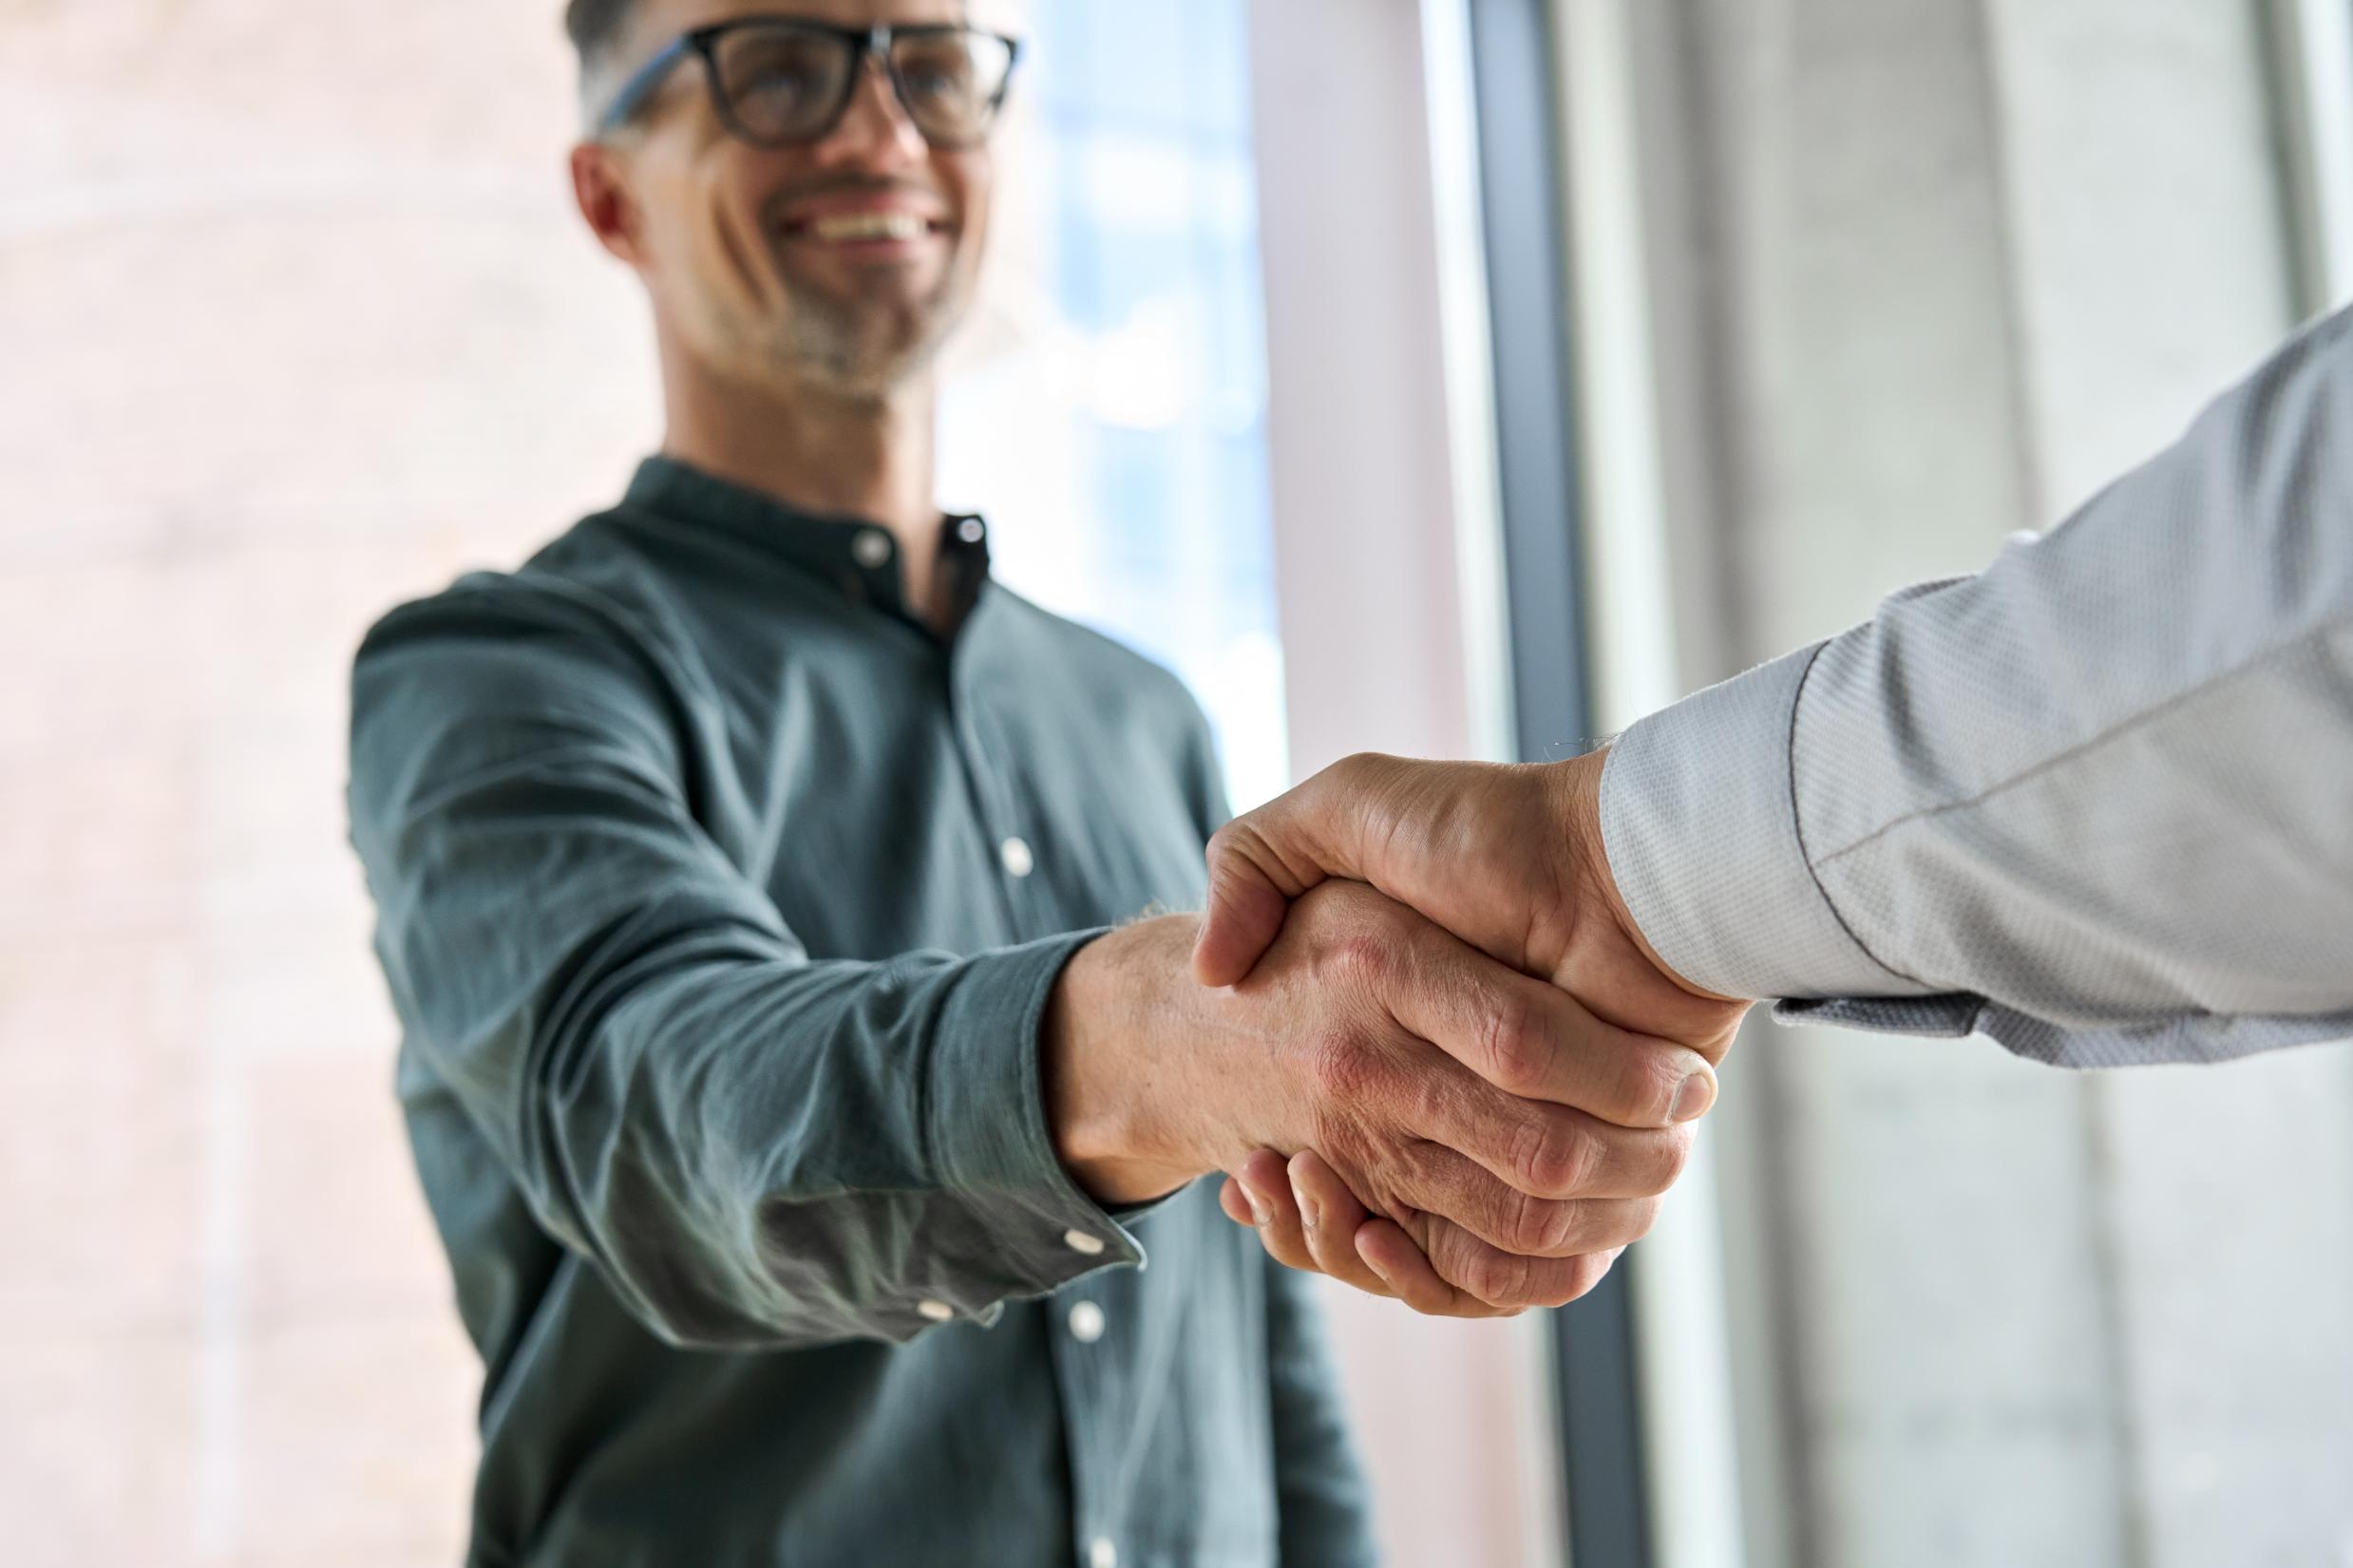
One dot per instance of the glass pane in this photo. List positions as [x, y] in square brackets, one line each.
[1121, 447]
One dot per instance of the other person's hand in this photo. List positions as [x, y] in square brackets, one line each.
[1309, 1219]
[1509, 859]
[1520, 1134]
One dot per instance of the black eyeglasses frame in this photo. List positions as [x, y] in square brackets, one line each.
[867, 44]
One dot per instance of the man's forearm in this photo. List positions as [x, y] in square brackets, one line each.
[1115, 1111]
[2099, 785]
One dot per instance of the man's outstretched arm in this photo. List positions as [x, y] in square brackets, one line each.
[2093, 801]
[667, 1075]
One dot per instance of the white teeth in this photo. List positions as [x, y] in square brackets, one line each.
[848, 226]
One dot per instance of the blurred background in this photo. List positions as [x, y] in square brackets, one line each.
[1459, 377]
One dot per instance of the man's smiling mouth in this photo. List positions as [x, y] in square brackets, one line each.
[840, 228]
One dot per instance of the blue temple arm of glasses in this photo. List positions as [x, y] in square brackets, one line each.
[640, 86]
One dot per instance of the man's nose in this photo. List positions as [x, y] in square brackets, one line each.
[874, 131]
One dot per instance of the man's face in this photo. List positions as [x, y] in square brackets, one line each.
[840, 265]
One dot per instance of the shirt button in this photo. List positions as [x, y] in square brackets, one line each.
[1086, 1324]
[971, 531]
[1102, 1554]
[1082, 1244]
[1018, 859]
[871, 548]
[939, 1312]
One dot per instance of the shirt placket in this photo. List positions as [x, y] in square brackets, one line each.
[996, 796]
[1083, 1340]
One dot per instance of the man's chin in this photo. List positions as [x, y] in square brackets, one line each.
[879, 335]
[869, 363]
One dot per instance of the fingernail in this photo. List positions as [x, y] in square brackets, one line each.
[1259, 1213]
[1310, 1217]
[1693, 1097]
[1375, 1267]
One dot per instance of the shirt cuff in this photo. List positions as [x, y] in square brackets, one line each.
[990, 1145]
[1700, 821]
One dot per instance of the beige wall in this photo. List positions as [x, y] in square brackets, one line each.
[292, 323]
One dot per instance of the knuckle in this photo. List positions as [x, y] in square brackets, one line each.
[1341, 1067]
[1230, 845]
[1673, 1158]
[1617, 1224]
[1363, 958]
[1543, 1227]
[1555, 1159]
[1496, 1278]
[1515, 1050]
[1577, 1280]
[1652, 1079]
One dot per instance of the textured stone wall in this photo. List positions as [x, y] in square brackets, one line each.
[1962, 260]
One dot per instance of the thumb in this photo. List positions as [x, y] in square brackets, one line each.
[1250, 892]
[1259, 862]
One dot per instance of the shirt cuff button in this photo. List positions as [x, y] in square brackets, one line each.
[939, 1312]
[1082, 1244]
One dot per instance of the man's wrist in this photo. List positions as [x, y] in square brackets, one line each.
[1578, 792]
[1107, 1102]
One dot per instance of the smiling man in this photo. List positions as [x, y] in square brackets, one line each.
[793, 1082]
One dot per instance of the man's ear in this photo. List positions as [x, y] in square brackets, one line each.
[604, 199]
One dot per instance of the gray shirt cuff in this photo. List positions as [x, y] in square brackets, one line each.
[1700, 819]
[991, 1145]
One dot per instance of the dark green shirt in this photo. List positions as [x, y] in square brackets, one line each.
[720, 901]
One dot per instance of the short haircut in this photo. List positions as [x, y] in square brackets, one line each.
[595, 27]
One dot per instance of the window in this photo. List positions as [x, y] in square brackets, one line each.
[1111, 410]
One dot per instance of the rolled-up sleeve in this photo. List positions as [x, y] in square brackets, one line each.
[2093, 801]
[754, 1147]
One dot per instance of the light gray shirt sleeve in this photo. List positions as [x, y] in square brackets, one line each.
[2095, 801]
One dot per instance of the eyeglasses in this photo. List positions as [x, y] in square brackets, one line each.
[782, 82]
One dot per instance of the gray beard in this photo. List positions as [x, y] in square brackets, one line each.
[860, 351]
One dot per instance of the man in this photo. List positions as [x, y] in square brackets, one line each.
[2096, 802]
[796, 1129]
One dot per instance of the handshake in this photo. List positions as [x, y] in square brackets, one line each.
[1418, 1029]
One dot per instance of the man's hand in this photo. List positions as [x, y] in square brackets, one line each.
[1519, 1133]
[1510, 859]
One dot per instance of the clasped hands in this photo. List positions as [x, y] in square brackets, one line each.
[1420, 1032]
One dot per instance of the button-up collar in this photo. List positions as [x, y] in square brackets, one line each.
[859, 558]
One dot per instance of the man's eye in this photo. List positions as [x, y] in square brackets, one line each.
[779, 81]
[936, 77]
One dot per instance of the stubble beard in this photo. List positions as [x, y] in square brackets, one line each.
[855, 350]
